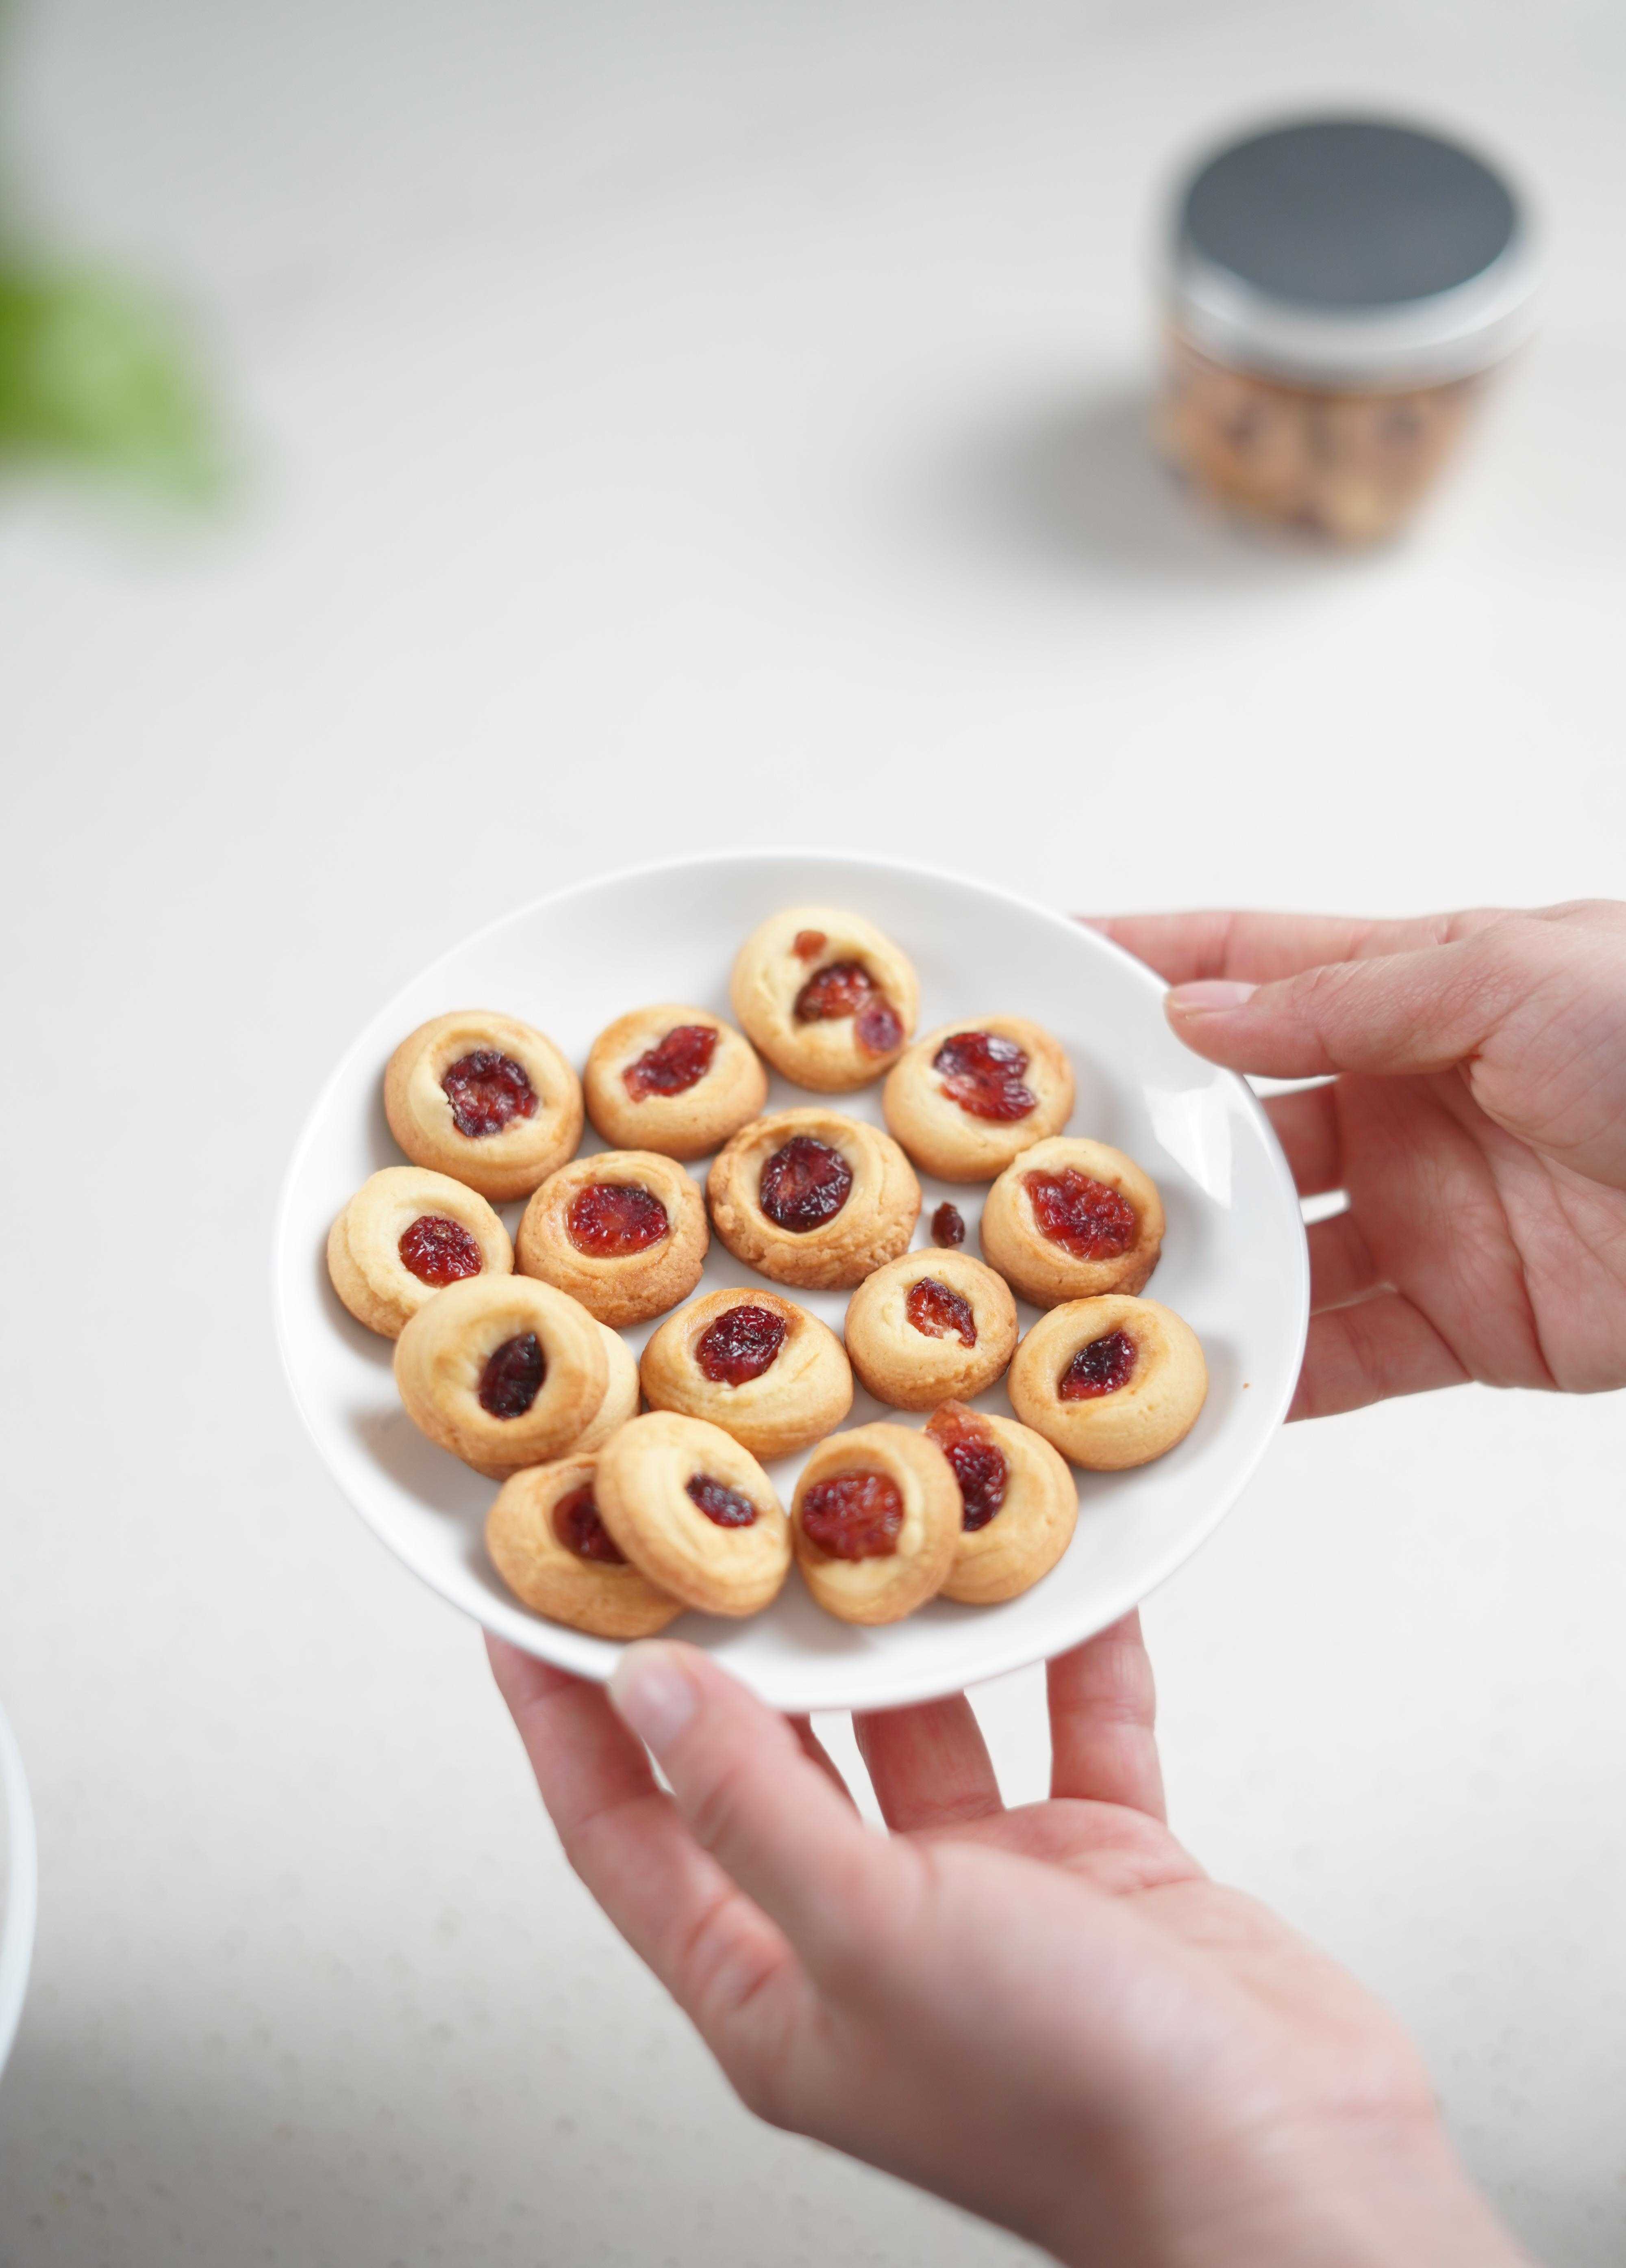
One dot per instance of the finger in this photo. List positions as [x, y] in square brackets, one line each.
[1257, 947]
[721, 1959]
[1103, 1709]
[1379, 1348]
[929, 1766]
[1406, 1013]
[1342, 1267]
[1306, 1126]
[767, 1814]
[812, 1746]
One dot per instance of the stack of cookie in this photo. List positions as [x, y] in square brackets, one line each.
[510, 1355]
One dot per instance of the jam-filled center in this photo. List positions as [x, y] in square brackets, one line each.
[1101, 1367]
[948, 1226]
[512, 1376]
[804, 1184]
[937, 1311]
[487, 1089]
[608, 1220]
[978, 1461]
[856, 1515]
[845, 987]
[1084, 1216]
[727, 1506]
[678, 1061]
[576, 1524]
[743, 1342]
[808, 944]
[439, 1251]
[982, 1073]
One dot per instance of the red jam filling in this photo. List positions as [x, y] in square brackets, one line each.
[677, 1062]
[486, 1089]
[726, 1505]
[809, 944]
[576, 1524]
[948, 1225]
[982, 1073]
[854, 1516]
[804, 1184]
[743, 1342]
[512, 1377]
[1084, 1216]
[608, 1220]
[978, 1461]
[845, 987]
[439, 1251]
[936, 1310]
[1101, 1367]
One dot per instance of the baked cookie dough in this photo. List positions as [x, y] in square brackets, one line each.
[1112, 1382]
[929, 1327]
[1020, 1504]
[812, 1198]
[876, 1523]
[623, 1232]
[675, 1079]
[620, 1395]
[485, 1099]
[695, 1511]
[825, 997]
[756, 1364]
[1070, 1220]
[502, 1370]
[405, 1235]
[972, 1095]
[550, 1546]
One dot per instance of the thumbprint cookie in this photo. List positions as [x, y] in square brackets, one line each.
[484, 1098]
[679, 1080]
[1112, 1382]
[760, 1366]
[620, 1395]
[971, 1096]
[1018, 1504]
[812, 1198]
[876, 1523]
[825, 997]
[502, 1370]
[405, 1235]
[695, 1511]
[623, 1232]
[1070, 1220]
[550, 1546]
[930, 1327]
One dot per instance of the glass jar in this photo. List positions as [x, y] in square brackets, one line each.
[1338, 292]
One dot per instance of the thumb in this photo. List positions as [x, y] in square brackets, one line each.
[1398, 1014]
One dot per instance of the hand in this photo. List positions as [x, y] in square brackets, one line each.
[1476, 1119]
[1049, 2015]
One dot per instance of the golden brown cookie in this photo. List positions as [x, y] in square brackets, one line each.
[679, 1080]
[405, 1235]
[1112, 1382]
[825, 997]
[1020, 1504]
[760, 1366]
[930, 1327]
[1070, 1220]
[695, 1512]
[502, 1370]
[623, 1232]
[550, 1546]
[812, 1198]
[876, 1523]
[972, 1095]
[620, 1395]
[485, 1099]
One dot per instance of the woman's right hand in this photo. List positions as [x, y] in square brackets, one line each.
[1475, 1116]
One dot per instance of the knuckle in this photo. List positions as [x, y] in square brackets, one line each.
[716, 1809]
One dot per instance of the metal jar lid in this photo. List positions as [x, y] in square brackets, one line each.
[1346, 251]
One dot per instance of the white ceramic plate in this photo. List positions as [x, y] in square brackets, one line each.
[18, 1885]
[1233, 1259]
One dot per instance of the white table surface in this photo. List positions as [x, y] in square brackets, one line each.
[676, 426]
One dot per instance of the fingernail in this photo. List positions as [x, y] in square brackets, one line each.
[1209, 998]
[653, 1693]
